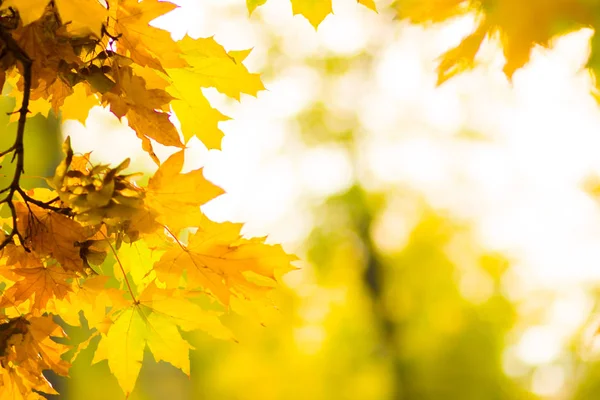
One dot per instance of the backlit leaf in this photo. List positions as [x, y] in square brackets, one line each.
[218, 260]
[176, 196]
[40, 284]
[154, 321]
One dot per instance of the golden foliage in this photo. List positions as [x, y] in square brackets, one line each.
[99, 248]
[137, 263]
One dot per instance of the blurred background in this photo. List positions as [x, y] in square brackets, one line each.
[450, 248]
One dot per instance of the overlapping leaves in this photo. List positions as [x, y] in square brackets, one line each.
[114, 58]
[135, 263]
[136, 280]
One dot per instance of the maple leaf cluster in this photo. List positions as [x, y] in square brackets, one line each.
[133, 263]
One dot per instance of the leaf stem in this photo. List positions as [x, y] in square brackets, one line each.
[175, 237]
[120, 266]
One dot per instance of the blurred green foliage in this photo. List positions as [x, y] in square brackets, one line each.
[42, 143]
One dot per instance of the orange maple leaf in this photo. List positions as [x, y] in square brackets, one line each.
[219, 260]
[50, 234]
[39, 284]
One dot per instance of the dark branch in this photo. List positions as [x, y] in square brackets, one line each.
[17, 148]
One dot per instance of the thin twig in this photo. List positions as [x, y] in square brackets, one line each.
[17, 148]
[45, 204]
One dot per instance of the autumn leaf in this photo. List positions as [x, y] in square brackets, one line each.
[50, 234]
[194, 112]
[40, 284]
[314, 11]
[154, 321]
[51, 54]
[27, 348]
[146, 109]
[91, 298]
[13, 256]
[82, 16]
[178, 306]
[77, 105]
[212, 66]
[146, 45]
[520, 26]
[462, 57]
[370, 4]
[135, 260]
[219, 260]
[175, 196]
[152, 124]
[252, 4]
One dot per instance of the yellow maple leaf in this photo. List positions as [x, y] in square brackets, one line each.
[252, 4]
[135, 93]
[369, 4]
[57, 92]
[92, 298]
[314, 11]
[212, 66]
[154, 79]
[154, 321]
[176, 197]
[146, 109]
[194, 112]
[16, 257]
[218, 260]
[77, 106]
[177, 306]
[524, 25]
[146, 45]
[152, 124]
[83, 16]
[136, 260]
[520, 26]
[461, 57]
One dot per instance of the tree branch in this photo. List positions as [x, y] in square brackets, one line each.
[17, 148]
